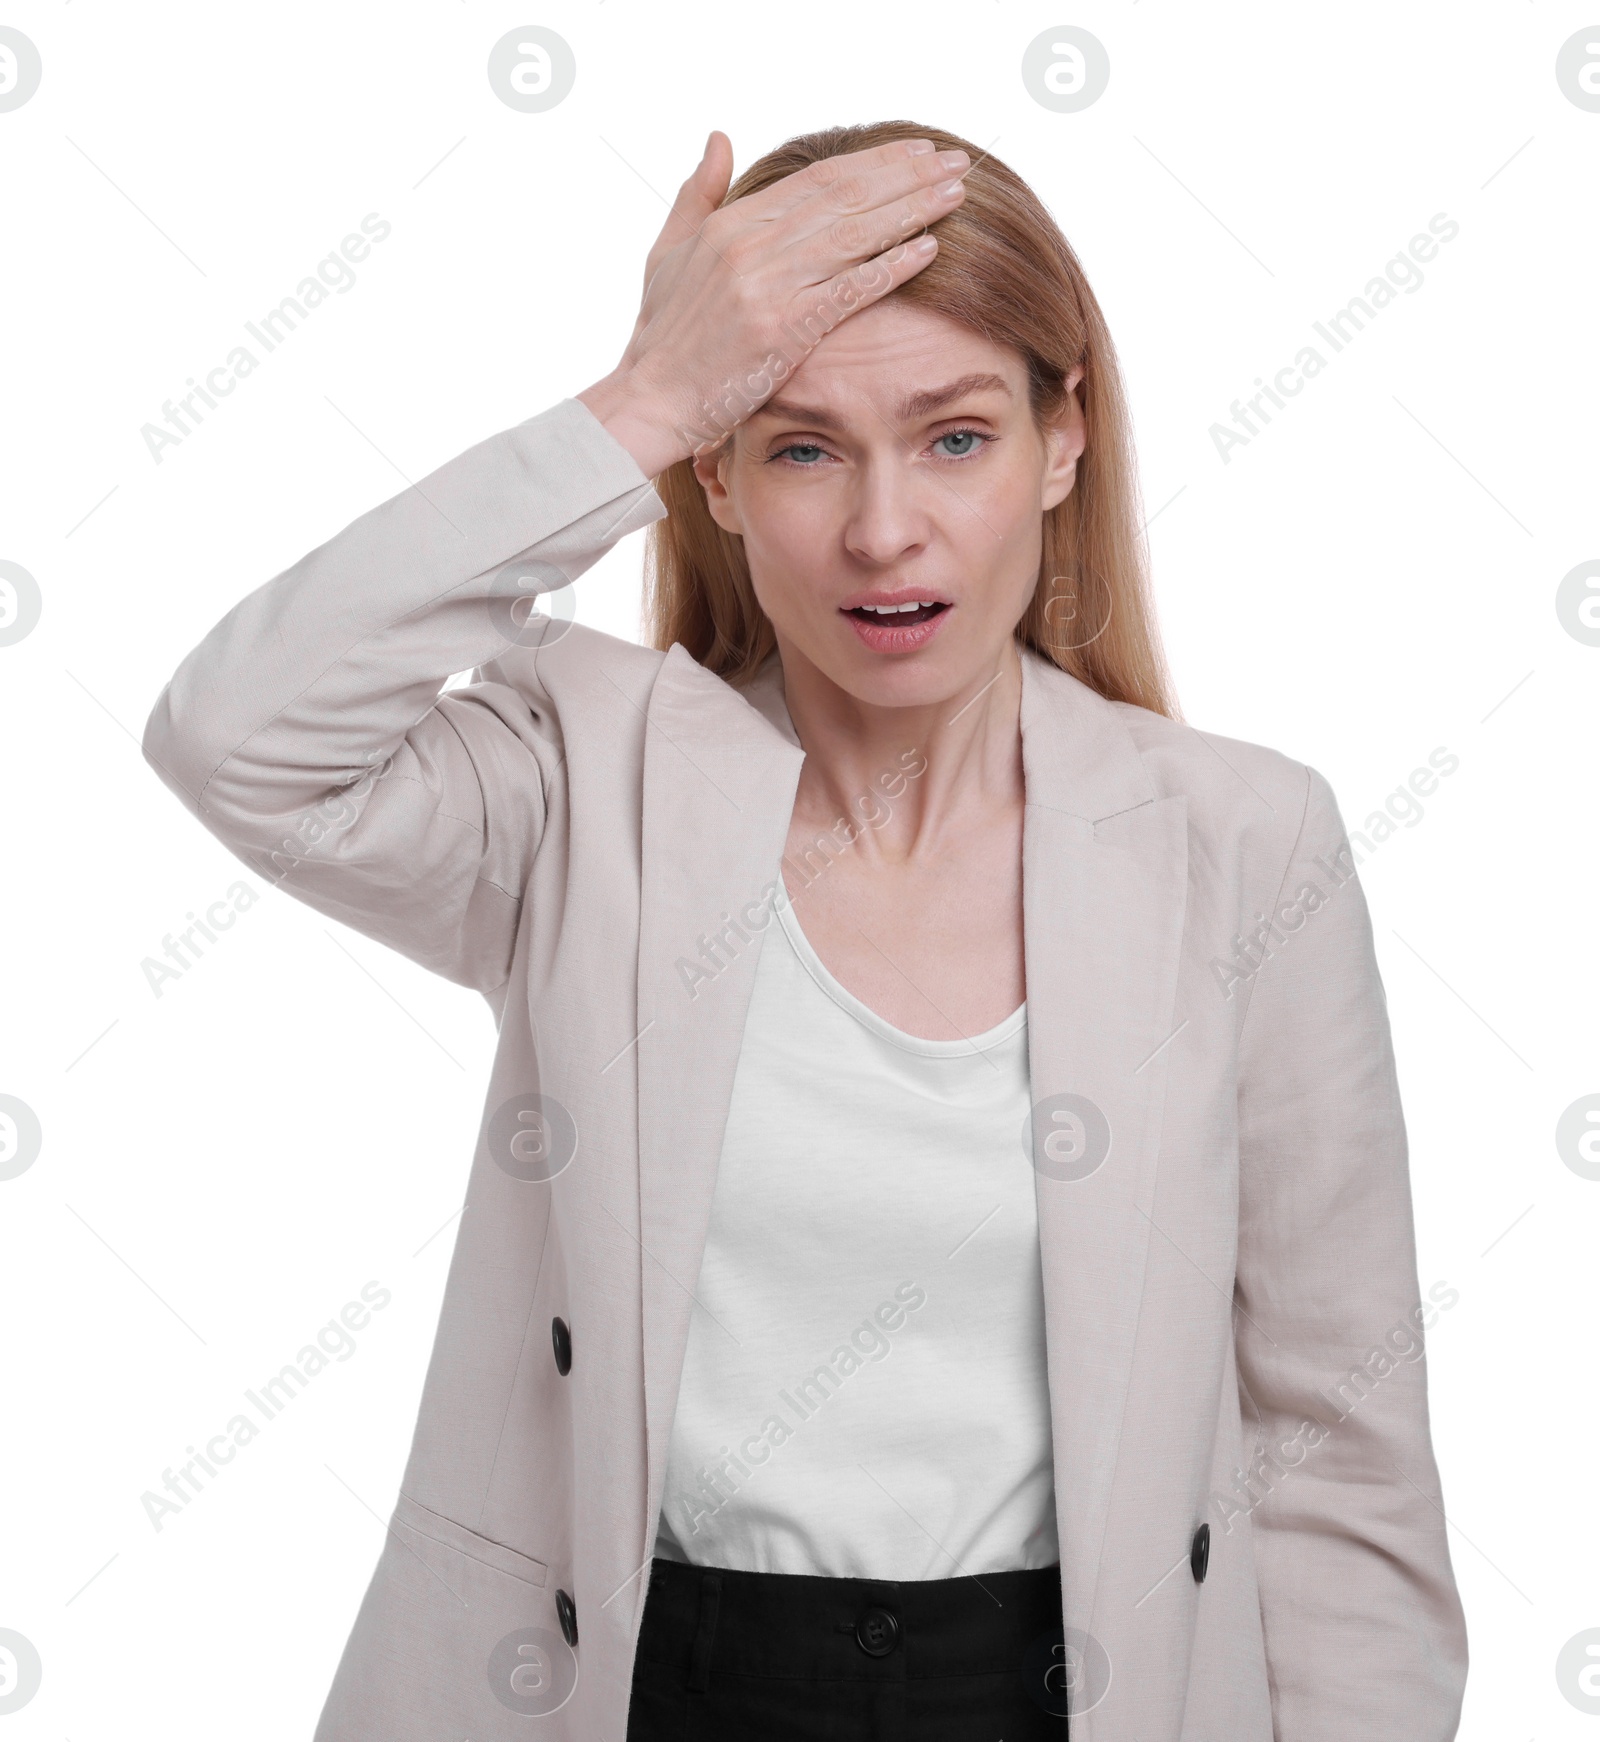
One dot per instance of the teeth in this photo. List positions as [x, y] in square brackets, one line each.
[890, 610]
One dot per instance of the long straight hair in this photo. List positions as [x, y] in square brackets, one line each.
[1003, 270]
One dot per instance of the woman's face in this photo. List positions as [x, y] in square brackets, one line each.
[898, 465]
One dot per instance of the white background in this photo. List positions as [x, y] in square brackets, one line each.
[1370, 578]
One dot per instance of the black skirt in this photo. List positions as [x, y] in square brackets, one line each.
[729, 1656]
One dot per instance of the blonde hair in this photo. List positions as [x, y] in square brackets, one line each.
[1003, 270]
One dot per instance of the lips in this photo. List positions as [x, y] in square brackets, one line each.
[896, 624]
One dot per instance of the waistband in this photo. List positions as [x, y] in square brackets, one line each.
[706, 1620]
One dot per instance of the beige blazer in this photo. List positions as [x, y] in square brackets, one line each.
[1231, 1294]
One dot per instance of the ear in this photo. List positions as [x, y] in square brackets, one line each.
[712, 469]
[1064, 444]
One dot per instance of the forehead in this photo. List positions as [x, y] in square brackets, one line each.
[892, 348]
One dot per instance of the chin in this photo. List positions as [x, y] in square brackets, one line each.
[914, 681]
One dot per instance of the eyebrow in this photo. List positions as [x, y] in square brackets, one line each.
[914, 405]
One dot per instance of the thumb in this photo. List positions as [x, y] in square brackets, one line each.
[699, 196]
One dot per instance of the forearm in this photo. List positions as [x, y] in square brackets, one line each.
[317, 675]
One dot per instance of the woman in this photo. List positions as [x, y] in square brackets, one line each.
[775, 1393]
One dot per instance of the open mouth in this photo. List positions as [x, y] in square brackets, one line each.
[898, 628]
[897, 616]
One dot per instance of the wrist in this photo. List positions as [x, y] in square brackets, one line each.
[633, 415]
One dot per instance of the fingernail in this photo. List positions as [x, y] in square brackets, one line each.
[947, 190]
[953, 159]
[920, 147]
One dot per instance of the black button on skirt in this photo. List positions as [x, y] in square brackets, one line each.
[727, 1656]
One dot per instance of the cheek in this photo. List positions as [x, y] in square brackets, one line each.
[787, 535]
[780, 526]
[1014, 508]
[999, 536]
[782, 541]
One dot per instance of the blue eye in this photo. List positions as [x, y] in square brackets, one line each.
[808, 454]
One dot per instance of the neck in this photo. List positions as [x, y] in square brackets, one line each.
[910, 778]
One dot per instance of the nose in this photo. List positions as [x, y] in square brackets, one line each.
[890, 517]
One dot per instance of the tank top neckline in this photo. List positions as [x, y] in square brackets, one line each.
[1006, 1029]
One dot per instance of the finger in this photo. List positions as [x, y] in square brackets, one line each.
[701, 194]
[857, 181]
[821, 309]
[839, 241]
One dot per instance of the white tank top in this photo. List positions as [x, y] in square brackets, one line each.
[863, 1390]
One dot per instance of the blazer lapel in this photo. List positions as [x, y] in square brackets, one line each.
[1105, 870]
[720, 773]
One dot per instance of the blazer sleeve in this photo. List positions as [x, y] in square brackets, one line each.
[1363, 1627]
[310, 731]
